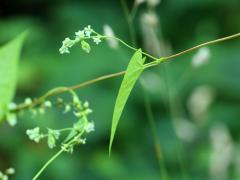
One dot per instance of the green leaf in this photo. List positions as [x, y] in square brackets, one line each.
[9, 56]
[134, 70]
[85, 46]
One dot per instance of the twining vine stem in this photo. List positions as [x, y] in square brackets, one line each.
[157, 61]
[71, 141]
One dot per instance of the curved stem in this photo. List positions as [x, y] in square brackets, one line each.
[129, 18]
[125, 44]
[64, 129]
[70, 142]
[156, 141]
[61, 90]
[201, 45]
[130, 47]
[157, 61]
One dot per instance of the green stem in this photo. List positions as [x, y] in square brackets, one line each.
[203, 44]
[157, 145]
[134, 10]
[60, 90]
[47, 163]
[157, 61]
[65, 129]
[129, 19]
[174, 114]
[131, 47]
[70, 142]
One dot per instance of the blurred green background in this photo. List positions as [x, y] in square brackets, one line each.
[196, 110]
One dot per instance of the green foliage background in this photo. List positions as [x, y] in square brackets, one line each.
[184, 24]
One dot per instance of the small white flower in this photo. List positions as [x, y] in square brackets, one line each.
[78, 114]
[88, 28]
[86, 104]
[201, 57]
[34, 134]
[12, 105]
[88, 111]
[67, 108]
[97, 40]
[10, 171]
[64, 50]
[79, 34]
[89, 127]
[48, 104]
[53, 132]
[67, 43]
[28, 101]
[82, 141]
[4, 177]
[88, 31]
[53, 135]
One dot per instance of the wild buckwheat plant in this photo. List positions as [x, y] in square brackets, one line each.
[68, 138]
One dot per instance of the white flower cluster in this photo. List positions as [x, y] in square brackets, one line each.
[12, 116]
[34, 134]
[4, 175]
[81, 36]
[40, 109]
[52, 135]
[89, 127]
[81, 127]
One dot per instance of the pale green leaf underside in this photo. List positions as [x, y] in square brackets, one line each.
[134, 70]
[9, 55]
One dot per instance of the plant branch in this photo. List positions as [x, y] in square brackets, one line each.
[47, 163]
[70, 142]
[129, 17]
[201, 45]
[156, 62]
[61, 90]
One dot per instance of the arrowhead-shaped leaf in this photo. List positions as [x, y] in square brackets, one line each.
[134, 70]
[9, 56]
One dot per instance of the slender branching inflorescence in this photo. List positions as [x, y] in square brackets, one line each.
[76, 134]
[81, 36]
[82, 126]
